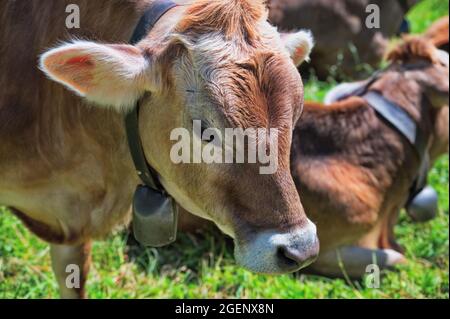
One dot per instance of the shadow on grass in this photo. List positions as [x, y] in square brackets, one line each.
[207, 248]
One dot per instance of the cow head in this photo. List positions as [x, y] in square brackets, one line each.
[419, 77]
[223, 66]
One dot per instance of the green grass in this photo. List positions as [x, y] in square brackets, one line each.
[203, 267]
[425, 13]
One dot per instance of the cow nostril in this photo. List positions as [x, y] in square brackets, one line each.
[289, 256]
[294, 258]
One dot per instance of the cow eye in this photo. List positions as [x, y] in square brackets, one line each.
[205, 127]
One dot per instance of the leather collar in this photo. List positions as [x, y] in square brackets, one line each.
[406, 126]
[399, 119]
[147, 174]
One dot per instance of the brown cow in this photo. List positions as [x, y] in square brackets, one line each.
[344, 43]
[354, 171]
[65, 166]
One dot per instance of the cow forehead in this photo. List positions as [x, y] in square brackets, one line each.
[261, 92]
[216, 42]
[242, 79]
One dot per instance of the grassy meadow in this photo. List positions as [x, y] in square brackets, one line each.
[203, 266]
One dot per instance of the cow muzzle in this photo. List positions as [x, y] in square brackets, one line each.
[272, 252]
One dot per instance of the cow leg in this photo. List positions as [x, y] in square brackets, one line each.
[71, 266]
[353, 261]
[387, 238]
[382, 236]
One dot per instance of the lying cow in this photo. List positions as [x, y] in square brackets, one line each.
[344, 42]
[353, 164]
[65, 167]
[354, 170]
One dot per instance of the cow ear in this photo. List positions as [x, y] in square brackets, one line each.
[108, 75]
[299, 45]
